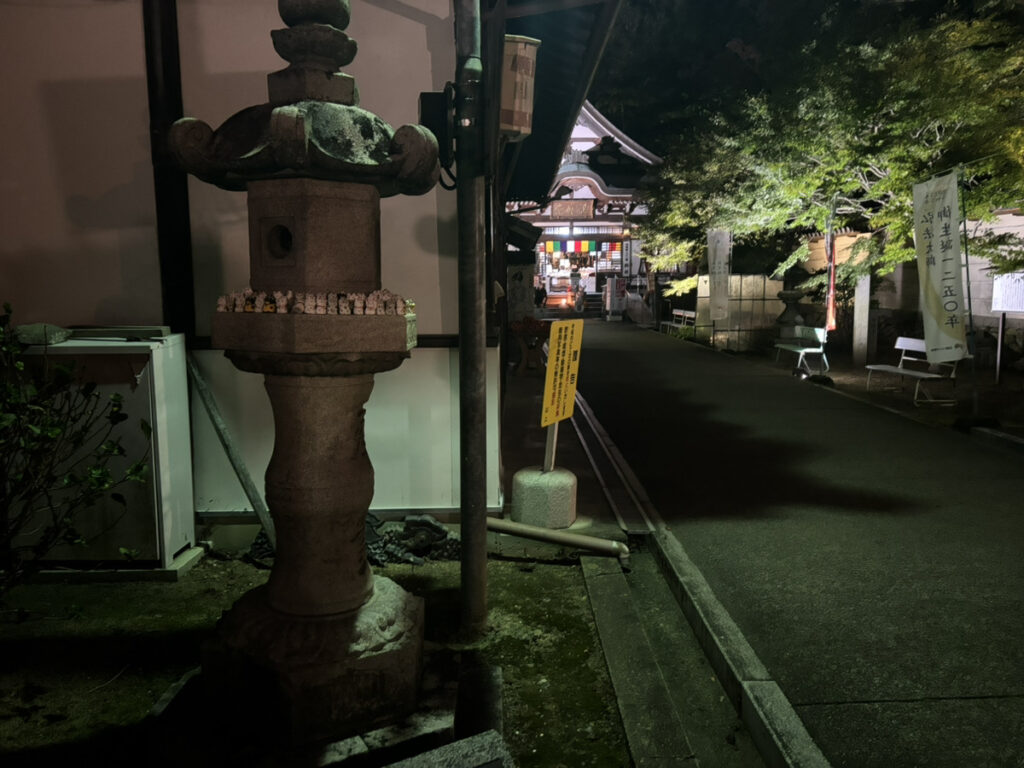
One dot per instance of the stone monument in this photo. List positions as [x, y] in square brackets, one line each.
[335, 649]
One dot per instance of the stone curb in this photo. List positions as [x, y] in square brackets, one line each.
[988, 435]
[776, 729]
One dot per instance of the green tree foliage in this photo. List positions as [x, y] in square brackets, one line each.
[777, 122]
[59, 452]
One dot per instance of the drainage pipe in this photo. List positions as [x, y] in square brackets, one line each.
[231, 450]
[594, 544]
[472, 319]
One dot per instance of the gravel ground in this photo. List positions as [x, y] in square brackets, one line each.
[980, 400]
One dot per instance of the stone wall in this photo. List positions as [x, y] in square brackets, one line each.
[754, 306]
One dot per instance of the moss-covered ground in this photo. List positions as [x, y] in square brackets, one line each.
[559, 707]
[85, 663]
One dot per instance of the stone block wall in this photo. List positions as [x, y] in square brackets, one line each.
[754, 306]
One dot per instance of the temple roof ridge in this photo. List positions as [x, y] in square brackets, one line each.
[592, 118]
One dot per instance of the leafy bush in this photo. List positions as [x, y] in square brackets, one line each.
[684, 332]
[58, 439]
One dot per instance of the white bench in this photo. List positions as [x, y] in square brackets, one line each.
[803, 340]
[913, 352]
[680, 318]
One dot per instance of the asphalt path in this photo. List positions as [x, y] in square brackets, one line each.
[875, 564]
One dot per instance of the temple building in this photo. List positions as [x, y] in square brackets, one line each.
[586, 223]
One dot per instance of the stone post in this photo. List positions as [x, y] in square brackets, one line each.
[862, 322]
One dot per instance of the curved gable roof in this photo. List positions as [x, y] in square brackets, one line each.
[602, 126]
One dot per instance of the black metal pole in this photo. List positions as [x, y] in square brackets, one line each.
[170, 183]
[472, 318]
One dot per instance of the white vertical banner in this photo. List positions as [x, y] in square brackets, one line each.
[719, 251]
[937, 241]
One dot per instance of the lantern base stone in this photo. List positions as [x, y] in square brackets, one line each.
[309, 679]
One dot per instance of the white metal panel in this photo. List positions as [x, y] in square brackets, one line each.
[172, 447]
[409, 430]
[150, 377]
[244, 405]
[412, 433]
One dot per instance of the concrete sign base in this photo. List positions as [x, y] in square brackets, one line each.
[544, 499]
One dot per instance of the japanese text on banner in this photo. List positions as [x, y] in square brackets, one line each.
[719, 247]
[937, 241]
[564, 345]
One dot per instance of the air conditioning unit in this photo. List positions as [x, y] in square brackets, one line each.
[158, 522]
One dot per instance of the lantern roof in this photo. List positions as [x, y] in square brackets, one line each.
[311, 125]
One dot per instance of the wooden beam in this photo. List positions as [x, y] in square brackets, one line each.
[538, 7]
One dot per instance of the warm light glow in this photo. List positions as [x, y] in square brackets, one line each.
[565, 302]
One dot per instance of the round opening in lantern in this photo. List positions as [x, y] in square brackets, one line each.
[279, 241]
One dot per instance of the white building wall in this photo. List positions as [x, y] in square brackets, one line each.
[226, 56]
[901, 288]
[80, 227]
[78, 219]
[981, 279]
[412, 434]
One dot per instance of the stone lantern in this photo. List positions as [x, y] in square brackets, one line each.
[336, 648]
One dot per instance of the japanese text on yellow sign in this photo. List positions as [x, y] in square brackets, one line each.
[563, 365]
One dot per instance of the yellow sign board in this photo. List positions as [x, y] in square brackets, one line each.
[564, 345]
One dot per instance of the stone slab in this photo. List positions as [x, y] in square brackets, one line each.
[713, 728]
[240, 736]
[484, 750]
[652, 726]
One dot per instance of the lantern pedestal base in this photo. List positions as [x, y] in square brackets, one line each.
[314, 678]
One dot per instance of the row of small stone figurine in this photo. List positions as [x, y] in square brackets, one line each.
[382, 302]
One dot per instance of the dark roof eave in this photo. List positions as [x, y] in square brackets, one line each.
[560, 90]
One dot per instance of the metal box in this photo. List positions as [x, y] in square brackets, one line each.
[159, 521]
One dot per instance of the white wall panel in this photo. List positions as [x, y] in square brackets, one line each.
[79, 220]
[78, 217]
[412, 433]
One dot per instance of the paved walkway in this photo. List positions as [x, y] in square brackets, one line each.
[874, 564]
